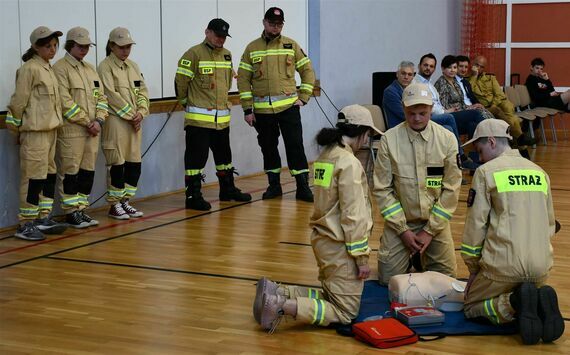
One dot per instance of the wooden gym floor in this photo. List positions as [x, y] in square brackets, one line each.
[178, 281]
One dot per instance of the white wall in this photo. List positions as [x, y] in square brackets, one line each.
[360, 37]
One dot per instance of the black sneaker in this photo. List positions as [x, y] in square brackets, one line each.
[524, 301]
[92, 222]
[549, 313]
[75, 220]
[47, 225]
[29, 231]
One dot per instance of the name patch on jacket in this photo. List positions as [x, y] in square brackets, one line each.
[434, 177]
[288, 45]
[323, 173]
[520, 180]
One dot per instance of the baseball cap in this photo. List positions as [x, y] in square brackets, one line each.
[42, 32]
[220, 27]
[274, 14]
[121, 36]
[491, 128]
[416, 94]
[79, 35]
[357, 115]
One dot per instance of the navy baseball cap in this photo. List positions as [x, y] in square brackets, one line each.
[275, 14]
[220, 27]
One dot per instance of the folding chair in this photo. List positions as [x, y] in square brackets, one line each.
[524, 95]
[514, 98]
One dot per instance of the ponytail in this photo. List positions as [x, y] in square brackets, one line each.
[329, 136]
[29, 54]
[108, 49]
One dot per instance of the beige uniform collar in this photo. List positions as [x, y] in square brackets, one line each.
[511, 153]
[41, 62]
[117, 61]
[425, 134]
[267, 39]
[71, 60]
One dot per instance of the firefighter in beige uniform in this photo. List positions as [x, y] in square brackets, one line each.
[506, 242]
[34, 114]
[341, 223]
[84, 111]
[416, 183]
[203, 78]
[127, 96]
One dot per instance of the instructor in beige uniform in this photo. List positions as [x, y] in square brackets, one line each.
[341, 223]
[416, 183]
[506, 242]
[84, 111]
[34, 115]
[127, 95]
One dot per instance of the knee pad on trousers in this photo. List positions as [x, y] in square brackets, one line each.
[85, 181]
[117, 176]
[70, 184]
[49, 185]
[35, 187]
[132, 173]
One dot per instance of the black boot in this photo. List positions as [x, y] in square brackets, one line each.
[228, 190]
[549, 313]
[274, 188]
[194, 199]
[304, 192]
[524, 301]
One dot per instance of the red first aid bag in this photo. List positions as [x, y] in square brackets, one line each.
[384, 333]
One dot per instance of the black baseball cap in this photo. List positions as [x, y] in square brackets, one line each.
[220, 27]
[274, 14]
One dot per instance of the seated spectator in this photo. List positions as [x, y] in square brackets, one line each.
[392, 104]
[489, 93]
[541, 89]
[462, 78]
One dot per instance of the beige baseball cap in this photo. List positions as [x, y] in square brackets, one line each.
[357, 115]
[416, 94]
[491, 128]
[121, 36]
[43, 32]
[79, 35]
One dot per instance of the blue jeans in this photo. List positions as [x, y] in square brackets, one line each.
[448, 122]
[467, 121]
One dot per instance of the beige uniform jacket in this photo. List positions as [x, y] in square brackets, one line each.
[342, 209]
[124, 87]
[203, 79]
[82, 95]
[487, 89]
[36, 102]
[417, 179]
[266, 75]
[510, 221]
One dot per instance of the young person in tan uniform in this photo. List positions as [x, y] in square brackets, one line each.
[416, 184]
[341, 222]
[84, 111]
[506, 242]
[127, 96]
[34, 115]
[203, 79]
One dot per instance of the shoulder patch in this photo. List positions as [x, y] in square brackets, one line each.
[288, 45]
[323, 173]
[471, 197]
[227, 57]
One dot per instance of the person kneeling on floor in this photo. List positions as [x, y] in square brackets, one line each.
[341, 223]
[506, 242]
